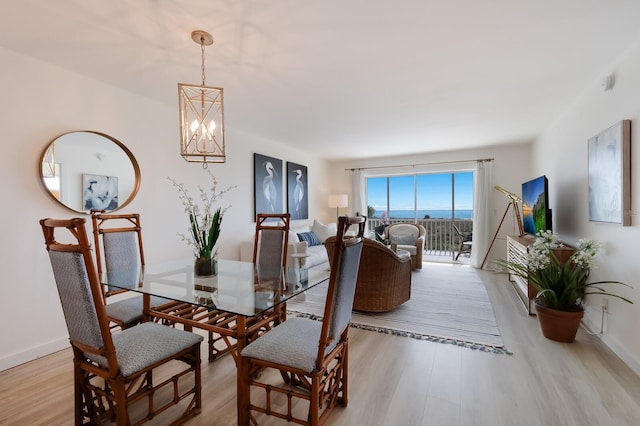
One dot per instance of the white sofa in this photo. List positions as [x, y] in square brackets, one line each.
[317, 254]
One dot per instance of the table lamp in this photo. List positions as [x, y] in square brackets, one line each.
[337, 201]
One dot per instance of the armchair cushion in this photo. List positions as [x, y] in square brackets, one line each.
[403, 239]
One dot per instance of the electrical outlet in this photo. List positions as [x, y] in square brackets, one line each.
[605, 305]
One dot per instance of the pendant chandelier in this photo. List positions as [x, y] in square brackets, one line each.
[201, 116]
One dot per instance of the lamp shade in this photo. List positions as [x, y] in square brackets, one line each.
[338, 200]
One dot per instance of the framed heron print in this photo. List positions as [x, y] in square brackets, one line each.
[610, 175]
[297, 197]
[267, 173]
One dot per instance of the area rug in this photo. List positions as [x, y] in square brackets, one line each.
[449, 304]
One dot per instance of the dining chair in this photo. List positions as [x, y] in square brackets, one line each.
[311, 356]
[465, 242]
[118, 242]
[114, 371]
[269, 259]
[271, 240]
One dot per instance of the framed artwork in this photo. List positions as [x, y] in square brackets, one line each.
[610, 175]
[99, 192]
[267, 174]
[297, 197]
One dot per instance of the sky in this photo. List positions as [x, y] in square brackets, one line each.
[433, 192]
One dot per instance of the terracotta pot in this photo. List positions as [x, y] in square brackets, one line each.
[561, 326]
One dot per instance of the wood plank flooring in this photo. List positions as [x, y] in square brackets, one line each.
[401, 381]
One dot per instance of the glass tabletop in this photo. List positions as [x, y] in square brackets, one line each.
[241, 288]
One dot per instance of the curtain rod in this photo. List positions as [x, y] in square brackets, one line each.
[417, 165]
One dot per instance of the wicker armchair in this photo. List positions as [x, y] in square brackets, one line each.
[410, 237]
[384, 279]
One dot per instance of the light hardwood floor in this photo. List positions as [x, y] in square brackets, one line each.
[401, 381]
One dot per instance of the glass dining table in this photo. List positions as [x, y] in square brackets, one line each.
[238, 304]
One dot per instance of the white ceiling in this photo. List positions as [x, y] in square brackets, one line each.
[345, 78]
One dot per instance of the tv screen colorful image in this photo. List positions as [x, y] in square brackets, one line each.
[536, 215]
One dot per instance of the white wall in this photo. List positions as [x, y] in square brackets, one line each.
[561, 154]
[40, 102]
[511, 167]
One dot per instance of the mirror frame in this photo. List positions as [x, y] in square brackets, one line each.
[129, 154]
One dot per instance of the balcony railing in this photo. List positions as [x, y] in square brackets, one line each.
[440, 239]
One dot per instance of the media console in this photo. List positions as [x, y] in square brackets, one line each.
[517, 250]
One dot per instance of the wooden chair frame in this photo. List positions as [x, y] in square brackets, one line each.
[98, 219]
[101, 392]
[327, 384]
[263, 224]
[258, 325]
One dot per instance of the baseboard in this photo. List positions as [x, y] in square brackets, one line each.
[621, 352]
[611, 343]
[32, 353]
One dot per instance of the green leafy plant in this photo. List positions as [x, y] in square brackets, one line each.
[561, 285]
[204, 224]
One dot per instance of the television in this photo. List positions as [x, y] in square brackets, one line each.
[536, 214]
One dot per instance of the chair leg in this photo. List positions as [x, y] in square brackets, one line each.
[119, 390]
[243, 392]
[314, 404]
[345, 375]
[78, 391]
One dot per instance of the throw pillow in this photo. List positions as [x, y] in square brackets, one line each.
[294, 231]
[323, 231]
[310, 238]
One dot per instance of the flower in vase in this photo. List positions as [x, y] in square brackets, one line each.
[204, 221]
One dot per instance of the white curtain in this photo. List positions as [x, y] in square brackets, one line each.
[482, 186]
[358, 196]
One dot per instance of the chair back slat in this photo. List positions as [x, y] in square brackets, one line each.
[79, 289]
[122, 259]
[70, 274]
[344, 291]
[342, 285]
[271, 240]
[270, 248]
[118, 242]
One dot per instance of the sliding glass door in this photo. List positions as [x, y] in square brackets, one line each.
[438, 201]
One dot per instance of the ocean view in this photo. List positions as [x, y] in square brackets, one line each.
[420, 214]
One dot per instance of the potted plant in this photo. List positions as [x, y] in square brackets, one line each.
[204, 225]
[561, 282]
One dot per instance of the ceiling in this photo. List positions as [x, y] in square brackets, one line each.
[345, 78]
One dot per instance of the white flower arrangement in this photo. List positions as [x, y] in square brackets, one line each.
[204, 224]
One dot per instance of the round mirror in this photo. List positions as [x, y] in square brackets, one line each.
[89, 170]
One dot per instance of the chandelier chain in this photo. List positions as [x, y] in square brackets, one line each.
[202, 51]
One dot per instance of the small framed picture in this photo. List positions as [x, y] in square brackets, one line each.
[99, 192]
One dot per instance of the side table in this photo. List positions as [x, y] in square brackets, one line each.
[303, 272]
